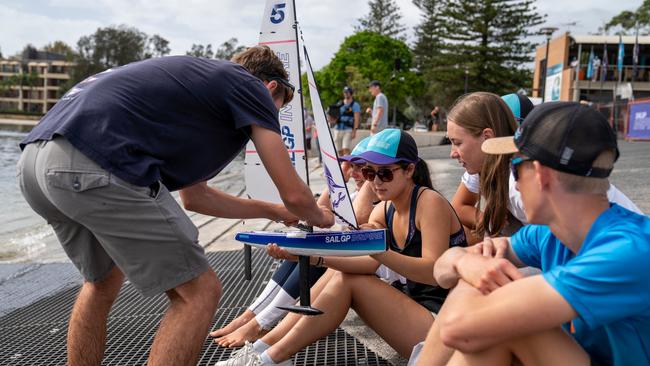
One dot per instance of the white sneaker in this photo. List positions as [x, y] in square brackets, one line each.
[257, 361]
[242, 357]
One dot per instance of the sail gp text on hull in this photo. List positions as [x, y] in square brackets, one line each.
[337, 239]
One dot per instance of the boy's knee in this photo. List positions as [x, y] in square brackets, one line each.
[204, 290]
[108, 287]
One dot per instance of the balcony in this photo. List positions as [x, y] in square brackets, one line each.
[608, 79]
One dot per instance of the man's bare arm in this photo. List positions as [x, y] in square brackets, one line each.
[473, 321]
[295, 194]
[210, 201]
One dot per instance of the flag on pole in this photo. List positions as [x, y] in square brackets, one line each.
[621, 55]
[605, 64]
[590, 64]
[635, 55]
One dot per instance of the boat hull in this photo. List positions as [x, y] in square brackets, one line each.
[323, 243]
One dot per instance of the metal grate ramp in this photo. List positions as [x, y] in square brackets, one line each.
[36, 334]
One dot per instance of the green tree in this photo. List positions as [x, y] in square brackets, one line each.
[428, 52]
[199, 50]
[489, 39]
[114, 46]
[61, 48]
[629, 20]
[384, 18]
[228, 49]
[108, 47]
[367, 56]
[157, 46]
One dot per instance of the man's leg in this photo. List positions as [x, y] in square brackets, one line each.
[87, 327]
[551, 347]
[186, 322]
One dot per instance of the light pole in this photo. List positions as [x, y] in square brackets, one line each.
[548, 32]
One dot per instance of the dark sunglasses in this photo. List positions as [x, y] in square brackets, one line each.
[288, 95]
[513, 165]
[384, 174]
[284, 82]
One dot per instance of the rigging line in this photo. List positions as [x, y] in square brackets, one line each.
[345, 221]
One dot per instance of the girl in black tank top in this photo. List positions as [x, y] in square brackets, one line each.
[429, 296]
[421, 225]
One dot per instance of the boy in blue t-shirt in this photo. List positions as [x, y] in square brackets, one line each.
[591, 303]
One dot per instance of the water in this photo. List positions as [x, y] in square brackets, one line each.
[24, 236]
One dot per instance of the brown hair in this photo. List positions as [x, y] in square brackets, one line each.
[476, 112]
[263, 63]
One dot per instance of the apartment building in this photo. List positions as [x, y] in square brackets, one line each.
[33, 82]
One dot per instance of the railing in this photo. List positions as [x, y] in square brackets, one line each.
[611, 73]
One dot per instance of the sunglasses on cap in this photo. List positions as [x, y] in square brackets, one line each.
[384, 174]
[513, 165]
[288, 96]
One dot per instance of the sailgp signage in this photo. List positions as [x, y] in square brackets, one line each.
[638, 126]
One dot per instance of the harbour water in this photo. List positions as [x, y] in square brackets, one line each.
[24, 236]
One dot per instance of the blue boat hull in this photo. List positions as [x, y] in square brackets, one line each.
[323, 243]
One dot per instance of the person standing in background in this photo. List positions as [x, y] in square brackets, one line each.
[309, 127]
[347, 123]
[435, 119]
[379, 108]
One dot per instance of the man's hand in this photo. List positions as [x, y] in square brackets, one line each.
[354, 134]
[281, 214]
[273, 250]
[493, 248]
[373, 128]
[326, 220]
[486, 274]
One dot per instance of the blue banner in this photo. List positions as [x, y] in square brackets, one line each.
[621, 55]
[638, 127]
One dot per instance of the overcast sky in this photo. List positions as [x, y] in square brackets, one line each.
[325, 23]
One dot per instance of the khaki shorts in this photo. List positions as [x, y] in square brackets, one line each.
[102, 221]
[343, 139]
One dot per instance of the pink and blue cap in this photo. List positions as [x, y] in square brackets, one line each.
[354, 155]
[390, 146]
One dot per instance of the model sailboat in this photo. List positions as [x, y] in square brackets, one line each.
[280, 33]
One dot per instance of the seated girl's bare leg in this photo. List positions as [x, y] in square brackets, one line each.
[396, 318]
[250, 331]
[334, 300]
[291, 319]
[235, 324]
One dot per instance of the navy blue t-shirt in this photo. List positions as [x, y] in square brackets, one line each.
[179, 119]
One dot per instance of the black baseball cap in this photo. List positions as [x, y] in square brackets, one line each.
[565, 136]
[519, 104]
[347, 89]
[374, 83]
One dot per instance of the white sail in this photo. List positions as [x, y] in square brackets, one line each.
[279, 33]
[339, 195]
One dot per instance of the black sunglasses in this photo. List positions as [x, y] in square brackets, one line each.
[513, 165]
[284, 82]
[384, 174]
